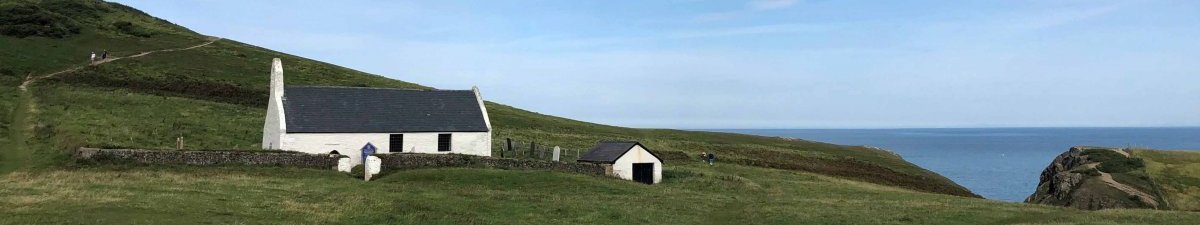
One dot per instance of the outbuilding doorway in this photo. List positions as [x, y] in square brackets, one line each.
[643, 172]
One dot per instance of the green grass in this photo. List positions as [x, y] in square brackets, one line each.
[12, 151]
[695, 194]
[212, 96]
[83, 116]
[235, 77]
[1177, 173]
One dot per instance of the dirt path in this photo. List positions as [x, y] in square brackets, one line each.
[17, 153]
[1122, 152]
[1147, 198]
[1108, 179]
[30, 79]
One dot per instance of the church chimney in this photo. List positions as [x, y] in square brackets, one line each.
[276, 80]
[275, 126]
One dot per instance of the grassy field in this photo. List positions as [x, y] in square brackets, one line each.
[87, 116]
[1177, 173]
[214, 98]
[691, 194]
[10, 150]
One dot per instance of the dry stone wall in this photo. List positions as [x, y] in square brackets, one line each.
[396, 161]
[406, 161]
[205, 158]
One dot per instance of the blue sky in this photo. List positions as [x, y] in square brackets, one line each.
[758, 64]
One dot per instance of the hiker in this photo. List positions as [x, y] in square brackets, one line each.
[711, 158]
[704, 156]
[104, 55]
[93, 58]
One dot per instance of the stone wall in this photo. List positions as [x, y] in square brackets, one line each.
[405, 161]
[205, 158]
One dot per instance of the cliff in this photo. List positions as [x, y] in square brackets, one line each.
[1098, 178]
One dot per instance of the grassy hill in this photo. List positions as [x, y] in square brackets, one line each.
[214, 97]
[1176, 174]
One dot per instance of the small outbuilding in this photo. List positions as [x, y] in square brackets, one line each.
[628, 160]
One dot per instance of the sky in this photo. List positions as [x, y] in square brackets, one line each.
[696, 64]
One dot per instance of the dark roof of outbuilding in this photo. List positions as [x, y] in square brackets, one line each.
[310, 109]
[610, 151]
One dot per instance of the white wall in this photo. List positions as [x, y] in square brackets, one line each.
[623, 167]
[275, 134]
[350, 144]
[274, 127]
[472, 143]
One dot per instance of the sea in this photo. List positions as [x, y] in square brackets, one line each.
[997, 163]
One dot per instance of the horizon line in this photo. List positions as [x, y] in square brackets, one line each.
[948, 127]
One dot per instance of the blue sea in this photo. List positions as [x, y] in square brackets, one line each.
[998, 163]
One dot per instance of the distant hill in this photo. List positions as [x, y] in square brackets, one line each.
[1105, 178]
[214, 97]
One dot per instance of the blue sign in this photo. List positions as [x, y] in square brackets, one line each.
[367, 150]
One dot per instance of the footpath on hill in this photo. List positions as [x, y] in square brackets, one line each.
[17, 154]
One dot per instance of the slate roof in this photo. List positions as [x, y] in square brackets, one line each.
[310, 109]
[610, 151]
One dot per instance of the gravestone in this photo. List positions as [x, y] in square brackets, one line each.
[344, 165]
[557, 153]
[372, 166]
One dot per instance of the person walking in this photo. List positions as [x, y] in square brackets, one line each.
[712, 158]
[93, 58]
[104, 55]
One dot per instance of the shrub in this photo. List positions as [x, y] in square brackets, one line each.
[1102, 155]
[126, 27]
[181, 85]
[7, 72]
[1113, 162]
[79, 10]
[1122, 165]
[358, 171]
[1091, 172]
[24, 20]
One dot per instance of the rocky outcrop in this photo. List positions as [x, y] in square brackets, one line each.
[1083, 178]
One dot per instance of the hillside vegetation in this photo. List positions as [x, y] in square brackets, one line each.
[214, 98]
[1177, 174]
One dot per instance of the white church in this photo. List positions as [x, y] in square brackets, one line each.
[342, 120]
